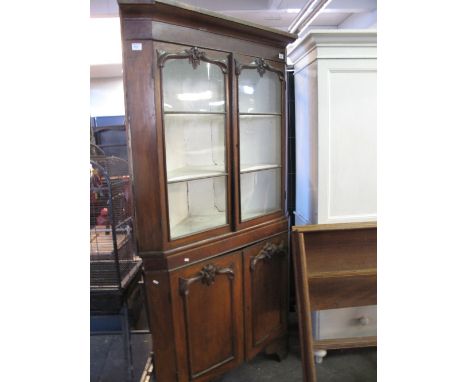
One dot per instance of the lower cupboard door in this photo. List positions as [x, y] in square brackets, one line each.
[266, 291]
[208, 317]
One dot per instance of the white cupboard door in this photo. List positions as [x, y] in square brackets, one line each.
[347, 140]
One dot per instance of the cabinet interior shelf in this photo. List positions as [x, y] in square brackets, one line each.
[343, 273]
[194, 113]
[257, 167]
[198, 223]
[254, 214]
[191, 173]
[259, 114]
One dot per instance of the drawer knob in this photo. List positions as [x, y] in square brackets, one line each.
[364, 321]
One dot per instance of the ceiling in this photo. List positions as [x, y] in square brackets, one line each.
[280, 14]
[273, 13]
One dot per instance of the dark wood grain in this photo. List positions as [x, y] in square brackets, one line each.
[265, 291]
[198, 284]
[335, 267]
[334, 227]
[141, 127]
[214, 246]
[346, 343]
[303, 307]
[158, 290]
[341, 250]
[140, 29]
[209, 332]
[342, 292]
[205, 20]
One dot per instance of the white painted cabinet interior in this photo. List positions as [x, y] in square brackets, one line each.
[259, 143]
[195, 146]
[336, 146]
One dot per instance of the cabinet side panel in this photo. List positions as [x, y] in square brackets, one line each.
[305, 84]
[160, 314]
[141, 126]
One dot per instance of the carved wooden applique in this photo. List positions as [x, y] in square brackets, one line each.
[194, 55]
[261, 65]
[267, 252]
[207, 276]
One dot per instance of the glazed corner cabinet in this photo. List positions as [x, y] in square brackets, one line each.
[205, 117]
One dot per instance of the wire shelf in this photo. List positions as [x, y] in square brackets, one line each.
[104, 274]
[113, 260]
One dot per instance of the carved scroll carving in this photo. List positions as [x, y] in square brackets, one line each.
[194, 55]
[207, 276]
[267, 252]
[261, 65]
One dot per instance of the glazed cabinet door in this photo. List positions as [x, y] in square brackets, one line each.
[194, 100]
[208, 317]
[261, 138]
[266, 291]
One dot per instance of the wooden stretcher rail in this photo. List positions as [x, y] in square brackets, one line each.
[333, 227]
[346, 343]
[335, 266]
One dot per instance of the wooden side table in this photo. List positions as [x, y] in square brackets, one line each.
[335, 266]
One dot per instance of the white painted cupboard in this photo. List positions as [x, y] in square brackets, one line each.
[336, 147]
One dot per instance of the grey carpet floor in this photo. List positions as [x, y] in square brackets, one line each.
[353, 365]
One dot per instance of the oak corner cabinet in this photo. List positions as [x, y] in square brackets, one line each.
[205, 118]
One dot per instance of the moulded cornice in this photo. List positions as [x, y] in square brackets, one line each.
[334, 44]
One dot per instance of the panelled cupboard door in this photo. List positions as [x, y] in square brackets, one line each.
[208, 317]
[260, 136]
[265, 290]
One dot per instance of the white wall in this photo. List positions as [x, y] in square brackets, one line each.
[107, 97]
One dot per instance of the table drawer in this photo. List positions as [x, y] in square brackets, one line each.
[345, 322]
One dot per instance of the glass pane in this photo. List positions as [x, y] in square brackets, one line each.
[260, 193]
[188, 89]
[260, 141]
[259, 94]
[195, 146]
[196, 205]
